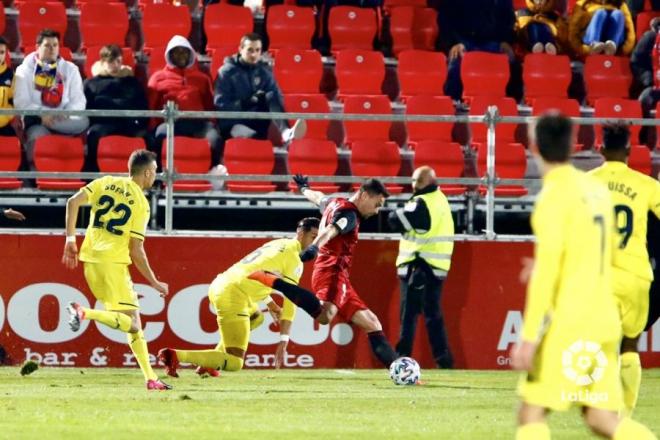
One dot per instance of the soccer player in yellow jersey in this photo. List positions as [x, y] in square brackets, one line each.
[113, 240]
[235, 296]
[571, 329]
[634, 195]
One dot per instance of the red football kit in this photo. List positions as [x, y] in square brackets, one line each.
[330, 278]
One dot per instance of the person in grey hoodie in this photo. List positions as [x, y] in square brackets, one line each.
[46, 81]
[245, 83]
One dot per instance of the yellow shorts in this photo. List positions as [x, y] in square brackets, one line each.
[573, 372]
[111, 283]
[233, 309]
[632, 296]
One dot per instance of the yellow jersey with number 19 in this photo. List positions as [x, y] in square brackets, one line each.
[119, 211]
[570, 287]
[633, 195]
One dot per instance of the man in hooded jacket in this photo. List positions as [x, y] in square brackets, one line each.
[190, 89]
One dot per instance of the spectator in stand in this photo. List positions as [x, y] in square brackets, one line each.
[6, 89]
[45, 81]
[112, 87]
[182, 82]
[246, 83]
[542, 26]
[645, 65]
[601, 26]
[474, 25]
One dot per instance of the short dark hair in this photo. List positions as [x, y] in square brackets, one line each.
[110, 52]
[308, 223]
[3, 41]
[554, 137]
[47, 33]
[139, 160]
[250, 36]
[616, 136]
[374, 187]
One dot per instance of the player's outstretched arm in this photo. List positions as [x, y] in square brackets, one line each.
[325, 236]
[73, 204]
[139, 257]
[303, 186]
[280, 352]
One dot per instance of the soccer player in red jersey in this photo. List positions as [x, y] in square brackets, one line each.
[334, 247]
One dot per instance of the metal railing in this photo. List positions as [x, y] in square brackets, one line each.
[170, 114]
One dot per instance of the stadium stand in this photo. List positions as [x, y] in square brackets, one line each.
[191, 156]
[298, 70]
[354, 67]
[62, 154]
[249, 156]
[421, 73]
[10, 160]
[314, 157]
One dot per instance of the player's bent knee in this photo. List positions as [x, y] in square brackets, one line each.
[234, 363]
[600, 422]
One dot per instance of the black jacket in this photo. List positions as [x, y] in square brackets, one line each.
[116, 93]
[641, 60]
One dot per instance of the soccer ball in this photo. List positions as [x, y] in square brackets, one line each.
[405, 371]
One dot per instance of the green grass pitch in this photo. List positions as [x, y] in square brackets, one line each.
[73, 403]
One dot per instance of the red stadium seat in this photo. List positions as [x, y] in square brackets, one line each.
[2, 21]
[566, 106]
[616, 108]
[218, 56]
[484, 74]
[316, 128]
[389, 4]
[446, 159]
[94, 19]
[37, 15]
[429, 105]
[413, 28]
[225, 24]
[359, 72]
[352, 28]
[298, 70]
[421, 72]
[504, 133]
[510, 163]
[114, 151]
[191, 156]
[375, 158]
[10, 160]
[59, 153]
[249, 156]
[92, 56]
[643, 22]
[161, 21]
[362, 130]
[607, 77]
[316, 158]
[290, 27]
[640, 159]
[546, 75]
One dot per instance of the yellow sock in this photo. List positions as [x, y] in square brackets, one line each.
[116, 320]
[629, 429]
[533, 431]
[139, 347]
[631, 379]
[218, 360]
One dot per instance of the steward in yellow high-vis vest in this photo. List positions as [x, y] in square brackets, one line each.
[423, 263]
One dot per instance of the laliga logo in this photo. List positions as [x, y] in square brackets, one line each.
[584, 362]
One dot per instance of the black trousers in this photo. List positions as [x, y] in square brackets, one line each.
[421, 292]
